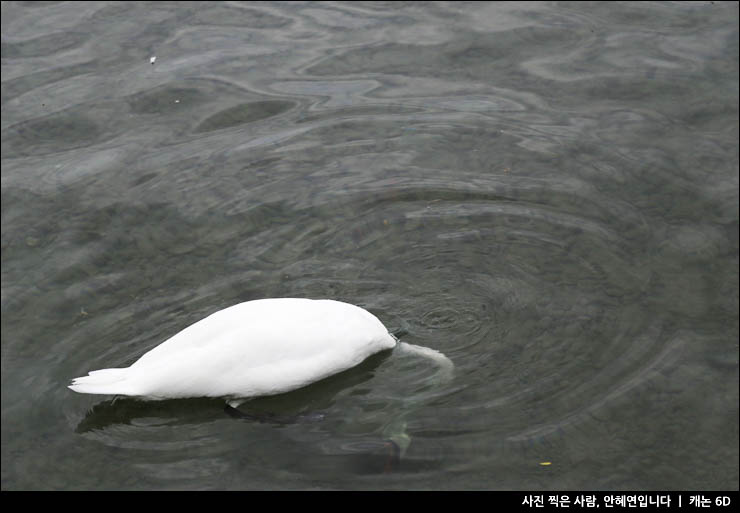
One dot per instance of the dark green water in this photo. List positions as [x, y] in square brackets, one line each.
[546, 192]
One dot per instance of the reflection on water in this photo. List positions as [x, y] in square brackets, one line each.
[241, 114]
[547, 193]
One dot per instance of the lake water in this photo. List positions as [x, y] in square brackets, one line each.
[545, 192]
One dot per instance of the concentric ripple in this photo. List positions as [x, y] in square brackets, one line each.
[525, 284]
[544, 192]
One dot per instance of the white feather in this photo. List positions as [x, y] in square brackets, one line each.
[261, 347]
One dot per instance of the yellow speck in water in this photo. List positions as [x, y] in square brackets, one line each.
[545, 463]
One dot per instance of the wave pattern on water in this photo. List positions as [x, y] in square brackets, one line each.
[546, 193]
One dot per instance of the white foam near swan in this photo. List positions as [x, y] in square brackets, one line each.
[257, 348]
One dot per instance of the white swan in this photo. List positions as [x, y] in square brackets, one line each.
[257, 348]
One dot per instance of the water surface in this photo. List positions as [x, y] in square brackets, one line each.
[545, 192]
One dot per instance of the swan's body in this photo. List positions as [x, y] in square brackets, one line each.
[257, 348]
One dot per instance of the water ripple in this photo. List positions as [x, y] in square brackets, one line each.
[547, 193]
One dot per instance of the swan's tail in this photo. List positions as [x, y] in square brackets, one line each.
[103, 381]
